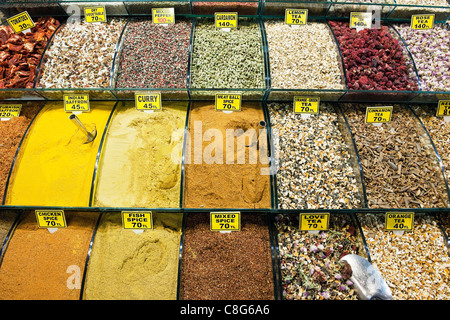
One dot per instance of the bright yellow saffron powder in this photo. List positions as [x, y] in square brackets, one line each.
[54, 166]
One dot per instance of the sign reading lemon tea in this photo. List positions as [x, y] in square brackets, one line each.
[379, 114]
[296, 16]
[225, 221]
[443, 109]
[361, 20]
[51, 218]
[8, 111]
[163, 15]
[399, 221]
[137, 220]
[21, 22]
[228, 102]
[76, 103]
[148, 101]
[306, 105]
[422, 21]
[314, 221]
[226, 19]
[95, 14]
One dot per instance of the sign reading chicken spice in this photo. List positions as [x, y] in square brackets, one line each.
[443, 108]
[360, 20]
[378, 114]
[137, 220]
[148, 101]
[51, 218]
[76, 102]
[163, 15]
[308, 105]
[314, 221]
[95, 14]
[226, 19]
[7, 111]
[228, 102]
[403, 221]
[296, 16]
[21, 22]
[225, 221]
[422, 21]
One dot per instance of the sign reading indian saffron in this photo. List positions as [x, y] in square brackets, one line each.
[225, 221]
[21, 22]
[163, 15]
[76, 103]
[51, 218]
[95, 14]
[148, 101]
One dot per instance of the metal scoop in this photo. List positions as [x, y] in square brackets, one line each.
[90, 136]
[368, 282]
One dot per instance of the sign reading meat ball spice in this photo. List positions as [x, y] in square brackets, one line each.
[124, 265]
[39, 265]
[226, 161]
[216, 266]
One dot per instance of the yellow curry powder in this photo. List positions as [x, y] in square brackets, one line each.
[55, 167]
[128, 265]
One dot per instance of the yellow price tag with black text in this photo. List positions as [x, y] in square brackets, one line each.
[399, 221]
[296, 16]
[163, 15]
[443, 109]
[148, 101]
[226, 19]
[51, 218]
[361, 20]
[95, 14]
[422, 21]
[379, 114]
[228, 102]
[308, 105]
[137, 220]
[21, 22]
[76, 103]
[314, 221]
[8, 111]
[225, 221]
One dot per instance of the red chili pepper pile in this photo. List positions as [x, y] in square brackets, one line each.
[20, 53]
[373, 59]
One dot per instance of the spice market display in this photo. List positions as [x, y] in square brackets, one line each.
[324, 175]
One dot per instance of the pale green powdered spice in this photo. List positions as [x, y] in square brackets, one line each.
[231, 59]
[125, 265]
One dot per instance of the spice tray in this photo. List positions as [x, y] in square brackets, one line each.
[209, 61]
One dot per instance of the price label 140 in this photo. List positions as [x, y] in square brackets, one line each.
[361, 20]
[422, 21]
[226, 19]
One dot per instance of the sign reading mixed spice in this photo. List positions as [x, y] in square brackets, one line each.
[225, 221]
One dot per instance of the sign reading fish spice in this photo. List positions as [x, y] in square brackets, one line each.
[360, 20]
[21, 22]
[228, 102]
[379, 114]
[225, 221]
[443, 109]
[51, 218]
[314, 221]
[306, 105]
[95, 14]
[399, 221]
[226, 19]
[148, 101]
[422, 21]
[163, 15]
[137, 220]
[76, 103]
[8, 111]
[296, 17]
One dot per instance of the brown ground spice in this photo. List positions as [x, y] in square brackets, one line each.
[226, 266]
[227, 183]
[40, 265]
[7, 219]
[11, 133]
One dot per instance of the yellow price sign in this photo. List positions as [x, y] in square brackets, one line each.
[148, 101]
[163, 15]
[443, 109]
[51, 218]
[399, 221]
[225, 221]
[378, 114]
[361, 20]
[308, 105]
[137, 220]
[226, 19]
[422, 21]
[21, 22]
[314, 221]
[8, 111]
[296, 16]
[76, 103]
[228, 102]
[95, 14]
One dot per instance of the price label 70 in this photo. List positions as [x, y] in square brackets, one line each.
[378, 114]
[225, 221]
[51, 218]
